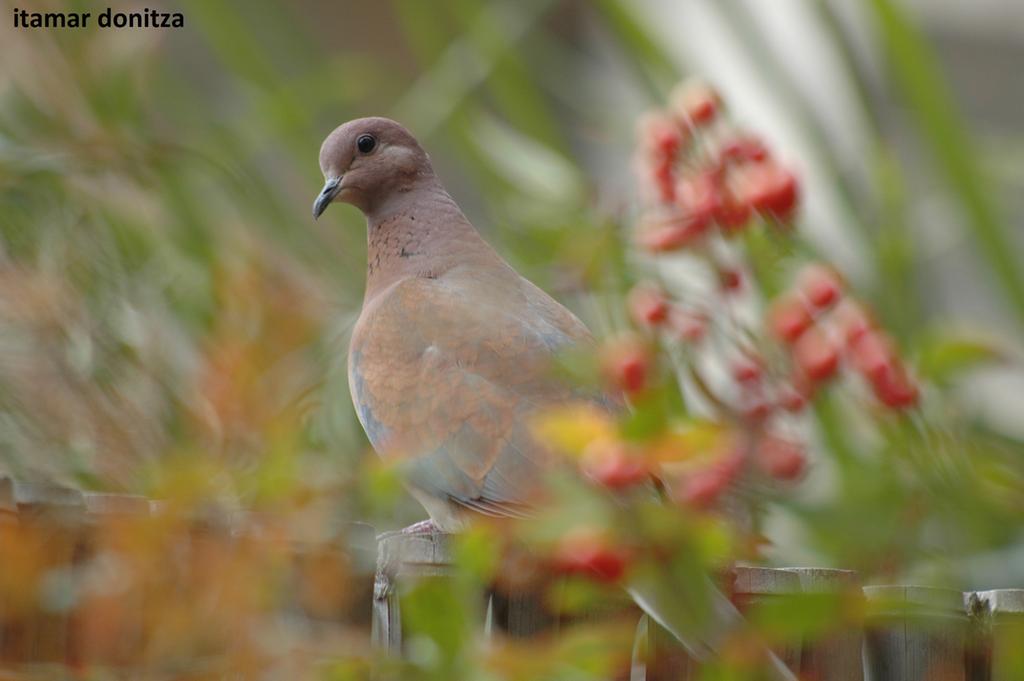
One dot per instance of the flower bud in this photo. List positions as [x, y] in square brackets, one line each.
[780, 458]
[820, 285]
[788, 317]
[613, 464]
[626, 362]
[590, 551]
[698, 103]
[816, 355]
[648, 305]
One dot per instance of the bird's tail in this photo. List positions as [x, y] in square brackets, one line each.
[702, 630]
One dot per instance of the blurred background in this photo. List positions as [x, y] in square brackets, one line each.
[171, 316]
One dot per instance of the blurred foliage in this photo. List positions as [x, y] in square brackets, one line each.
[920, 81]
[173, 323]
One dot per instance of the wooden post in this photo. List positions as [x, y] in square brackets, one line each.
[668, 660]
[836, 655]
[978, 647]
[753, 586]
[8, 502]
[107, 624]
[915, 633]
[8, 544]
[1005, 609]
[50, 520]
[515, 610]
[399, 557]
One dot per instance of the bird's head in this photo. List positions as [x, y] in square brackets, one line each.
[368, 160]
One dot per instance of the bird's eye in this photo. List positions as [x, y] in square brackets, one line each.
[366, 143]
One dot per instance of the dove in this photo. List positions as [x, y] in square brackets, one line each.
[450, 357]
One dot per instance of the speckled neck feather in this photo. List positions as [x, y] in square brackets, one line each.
[419, 232]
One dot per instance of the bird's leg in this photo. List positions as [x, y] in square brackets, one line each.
[422, 527]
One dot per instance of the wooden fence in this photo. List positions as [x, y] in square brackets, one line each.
[914, 633]
[71, 608]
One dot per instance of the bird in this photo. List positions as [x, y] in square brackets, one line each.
[451, 356]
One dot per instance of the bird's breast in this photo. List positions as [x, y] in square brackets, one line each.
[431, 361]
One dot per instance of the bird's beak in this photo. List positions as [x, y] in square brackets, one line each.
[326, 196]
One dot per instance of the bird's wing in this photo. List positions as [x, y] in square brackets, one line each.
[449, 373]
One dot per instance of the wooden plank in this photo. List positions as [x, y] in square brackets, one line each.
[51, 519]
[9, 539]
[978, 646]
[513, 609]
[8, 501]
[519, 613]
[836, 655]
[401, 557]
[386, 628]
[1006, 616]
[102, 505]
[915, 633]
[667, 660]
[753, 586]
[107, 625]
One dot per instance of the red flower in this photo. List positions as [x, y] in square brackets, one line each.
[589, 551]
[816, 355]
[702, 489]
[614, 465]
[894, 388]
[820, 285]
[733, 213]
[780, 458]
[791, 399]
[686, 325]
[874, 354]
[769, 188]
[788, 317]
[730, 279]
[667, 238]
[698, 196]
[853, 321]
[747, 370]
[663, 176]
[743, 149]
[627, 363]
[670, 233]
[647, 305]
[660, 137]
[697, 102]
[755, 408]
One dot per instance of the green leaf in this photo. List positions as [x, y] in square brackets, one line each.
[650, 415]
[943, 355]
[797, 616]
[437, 623]
[478, 552]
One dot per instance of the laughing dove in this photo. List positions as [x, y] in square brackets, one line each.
[452, 352]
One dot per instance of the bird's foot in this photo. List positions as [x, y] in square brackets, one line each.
[422, 527]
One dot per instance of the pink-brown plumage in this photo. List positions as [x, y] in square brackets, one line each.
[452, 353]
